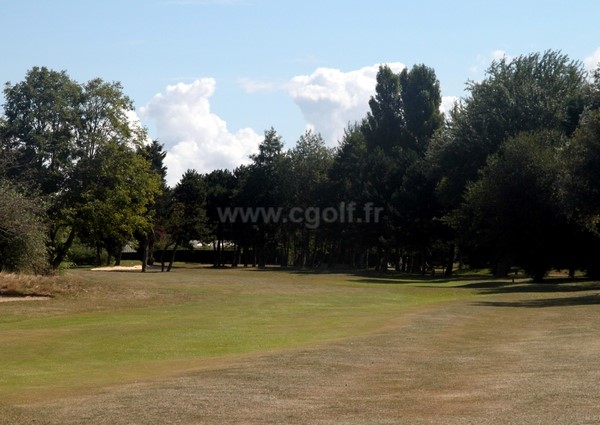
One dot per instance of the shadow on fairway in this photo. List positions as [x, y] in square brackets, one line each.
[391, 277]
[555, 285]
[547, 302]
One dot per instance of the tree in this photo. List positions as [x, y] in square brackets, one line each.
[116, 207]
[42, 114]
[22, 232]
[513, 211]
[262, 189]
[526, 94]
[421, 100]
[55, 132]
[187, 213]
[580, 181]
[384, 125]
[579, 186]
[346, 184]
[220, 186]
[306, 178]
[422, 239]
[155, 154]
[404, 117]
[102, 118]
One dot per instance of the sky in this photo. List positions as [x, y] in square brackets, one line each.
[208, 77]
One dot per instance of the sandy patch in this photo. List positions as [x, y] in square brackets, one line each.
[32, 298]
[121, 268]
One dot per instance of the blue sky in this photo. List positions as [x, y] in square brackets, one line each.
[209, 76]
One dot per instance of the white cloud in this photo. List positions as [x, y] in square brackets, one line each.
[253, 86]
[136, 124]
[482, 62]
[448, 103]
[194, 137]
[593, 61]
[329, 98]
[499, 55]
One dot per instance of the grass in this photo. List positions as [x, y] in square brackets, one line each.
[207, 346]
[119, 327]
[13, 284]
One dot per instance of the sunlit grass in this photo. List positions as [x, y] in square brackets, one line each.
[124, 327]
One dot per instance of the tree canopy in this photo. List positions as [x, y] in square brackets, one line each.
[508, 178]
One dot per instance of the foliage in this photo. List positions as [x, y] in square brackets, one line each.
[74, 144]
[262, 187]
[526, 94]
[509, 178]
[189, 215]
[581, 188]
[113, 208]
[22, 232]
[421, 99]
[41, 119]
[384, 124]
[513, 211]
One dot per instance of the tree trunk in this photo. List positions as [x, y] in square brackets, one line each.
[261, 258]
[538, 276]
[151, 239]
[162, 259]
[145, 253]
[236, 256]
[98, 255]
[502, 268]
[63, 251]
[450, 261]
[172, 260]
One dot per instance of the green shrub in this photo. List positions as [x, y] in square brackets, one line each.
[22, 232]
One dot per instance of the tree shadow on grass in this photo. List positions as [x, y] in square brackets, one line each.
[390, 277]
[488, 285]
[12, 293]
[554, 285]
[376, 277]
[546, 302]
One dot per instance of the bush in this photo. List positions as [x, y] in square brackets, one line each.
[22, 232]
[82, 255]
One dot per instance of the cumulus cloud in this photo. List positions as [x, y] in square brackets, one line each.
[448, 103]
[194, 137]
[136, 124]
[329, 98]
[484, 61]
[499, 55]
[592, 61]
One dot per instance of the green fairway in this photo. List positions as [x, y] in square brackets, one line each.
[121, 327]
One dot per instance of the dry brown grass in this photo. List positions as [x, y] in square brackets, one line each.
[517, 354]
[13, 284]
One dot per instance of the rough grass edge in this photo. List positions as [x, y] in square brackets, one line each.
[27, 285]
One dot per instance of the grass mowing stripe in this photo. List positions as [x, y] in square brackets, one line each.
[87, 349]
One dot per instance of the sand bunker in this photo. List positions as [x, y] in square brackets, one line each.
[113, 268]
[6, 299]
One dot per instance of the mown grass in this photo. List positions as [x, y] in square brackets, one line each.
[121, 327]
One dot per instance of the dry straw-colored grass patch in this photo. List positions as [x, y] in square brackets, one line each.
[27, 285]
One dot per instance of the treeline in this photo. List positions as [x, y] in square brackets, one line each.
[508, 178]
[74, 170]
